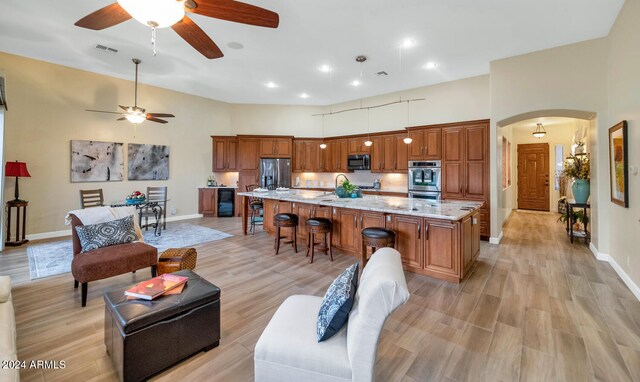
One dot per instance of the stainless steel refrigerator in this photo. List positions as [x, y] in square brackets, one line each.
[275, 173]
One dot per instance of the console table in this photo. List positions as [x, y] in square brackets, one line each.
[571, 204]
[19, 205]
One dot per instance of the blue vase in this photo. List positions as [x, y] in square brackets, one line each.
[581, 190]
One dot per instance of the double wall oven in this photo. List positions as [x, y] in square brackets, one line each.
[425, 179]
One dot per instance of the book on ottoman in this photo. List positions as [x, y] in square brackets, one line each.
[150, 289]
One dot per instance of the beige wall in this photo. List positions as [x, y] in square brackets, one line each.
[462, 100]
[624, 104]
[46, 111]
[569, 77]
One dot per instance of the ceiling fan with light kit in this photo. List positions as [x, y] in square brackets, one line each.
[172, 13]
[136, 114]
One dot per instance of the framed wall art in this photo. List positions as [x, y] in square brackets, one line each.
[148, 162]
[93, 161]
[619, 164]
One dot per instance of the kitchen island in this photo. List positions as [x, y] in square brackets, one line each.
[435, 238]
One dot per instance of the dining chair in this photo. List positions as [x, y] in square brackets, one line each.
[155, 194]
[91, 198]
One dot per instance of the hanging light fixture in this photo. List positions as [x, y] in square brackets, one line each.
[323, 145]
[540, 131]
[368, 141]
[407, 139]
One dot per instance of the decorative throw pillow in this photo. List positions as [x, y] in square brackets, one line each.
[337, 303]
[100, 235]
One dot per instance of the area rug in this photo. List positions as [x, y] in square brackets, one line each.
[49, 259]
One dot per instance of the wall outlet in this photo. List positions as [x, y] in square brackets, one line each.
[174, 210]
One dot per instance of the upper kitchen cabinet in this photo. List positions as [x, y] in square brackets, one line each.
[224, 153]
[272, 147]
[338, 153]
[384, 156]
[248, 158]
[357, 146]
[307, 156]
[402, 154]
[426, 144]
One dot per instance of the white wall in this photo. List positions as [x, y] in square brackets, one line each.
[569, 77]
[623, 79]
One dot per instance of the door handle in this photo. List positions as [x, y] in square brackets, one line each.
[426, 232]
[355, 221]
[419, 229]
[360, 221]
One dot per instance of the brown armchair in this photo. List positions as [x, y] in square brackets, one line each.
[109, 261]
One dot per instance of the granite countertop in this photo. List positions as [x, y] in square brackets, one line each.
[444, 209]
[389, 190]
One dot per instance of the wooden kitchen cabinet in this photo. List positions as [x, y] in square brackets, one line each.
[270, 209]
[409, 239]
[345, 223]
[402, 154]
[224, 153]
[248, 154]
[441, 249]
[426, 144]
[207, 201]
[339, 150]
[276, 147]
[357, 146]
[306, 156]
[465, 166]
[383, 154]
[377, 154]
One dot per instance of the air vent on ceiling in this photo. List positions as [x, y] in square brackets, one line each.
[106, 48]
[382, 73]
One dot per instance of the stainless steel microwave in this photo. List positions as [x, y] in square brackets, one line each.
[359, 162]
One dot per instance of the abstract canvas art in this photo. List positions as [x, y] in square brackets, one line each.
[93, 161]
[618, 164]
[148, 162]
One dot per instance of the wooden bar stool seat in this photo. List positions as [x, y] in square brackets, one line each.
[376, 237]
[322, 226]
[286, 220]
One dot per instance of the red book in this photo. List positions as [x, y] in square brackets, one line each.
[157, 286]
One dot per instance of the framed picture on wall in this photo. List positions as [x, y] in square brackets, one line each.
[619, 164]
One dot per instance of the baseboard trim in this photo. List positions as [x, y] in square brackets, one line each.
[67, 232]
[495, 240]
[616, 267]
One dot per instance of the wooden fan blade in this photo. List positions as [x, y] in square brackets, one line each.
[102, 111]
[123, 108]
[236, 11]
[156, 120]
[103, 18]
[196, 37]
[121, 119]
[163, 115]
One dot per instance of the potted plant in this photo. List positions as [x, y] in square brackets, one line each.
[579, 218]
[577, 168]
[348, 190]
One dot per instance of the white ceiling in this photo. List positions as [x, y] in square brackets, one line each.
[462, 36]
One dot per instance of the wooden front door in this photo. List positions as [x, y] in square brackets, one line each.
[533, 176]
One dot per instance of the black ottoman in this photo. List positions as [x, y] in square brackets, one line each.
[144, 337]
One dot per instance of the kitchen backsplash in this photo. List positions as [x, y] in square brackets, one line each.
[391, 182]
[226, 178]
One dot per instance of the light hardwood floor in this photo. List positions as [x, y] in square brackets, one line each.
[535, 308]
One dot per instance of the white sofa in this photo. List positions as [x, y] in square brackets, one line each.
[8, 344]
[288, 350]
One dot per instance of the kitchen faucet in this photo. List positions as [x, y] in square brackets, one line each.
[337, 176]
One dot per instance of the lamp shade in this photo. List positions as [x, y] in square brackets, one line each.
[16, 168]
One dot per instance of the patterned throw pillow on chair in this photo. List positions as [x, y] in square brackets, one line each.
[337, 303]
[100, 235]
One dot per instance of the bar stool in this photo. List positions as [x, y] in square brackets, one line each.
[376, 237]
[256, 205]
[286, 220]
[319, 226]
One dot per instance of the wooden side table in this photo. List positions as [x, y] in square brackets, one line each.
[19, 205]
[571, 204]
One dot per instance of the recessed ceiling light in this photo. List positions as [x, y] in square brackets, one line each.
[430, 65]
[325, 68]
[271, 85]
[407, 43]
[304, 95]
[235, 45]
[355, 83]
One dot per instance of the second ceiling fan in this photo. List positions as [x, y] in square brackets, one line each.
[165, 13]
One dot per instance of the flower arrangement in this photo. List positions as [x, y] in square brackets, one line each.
[577, 167]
